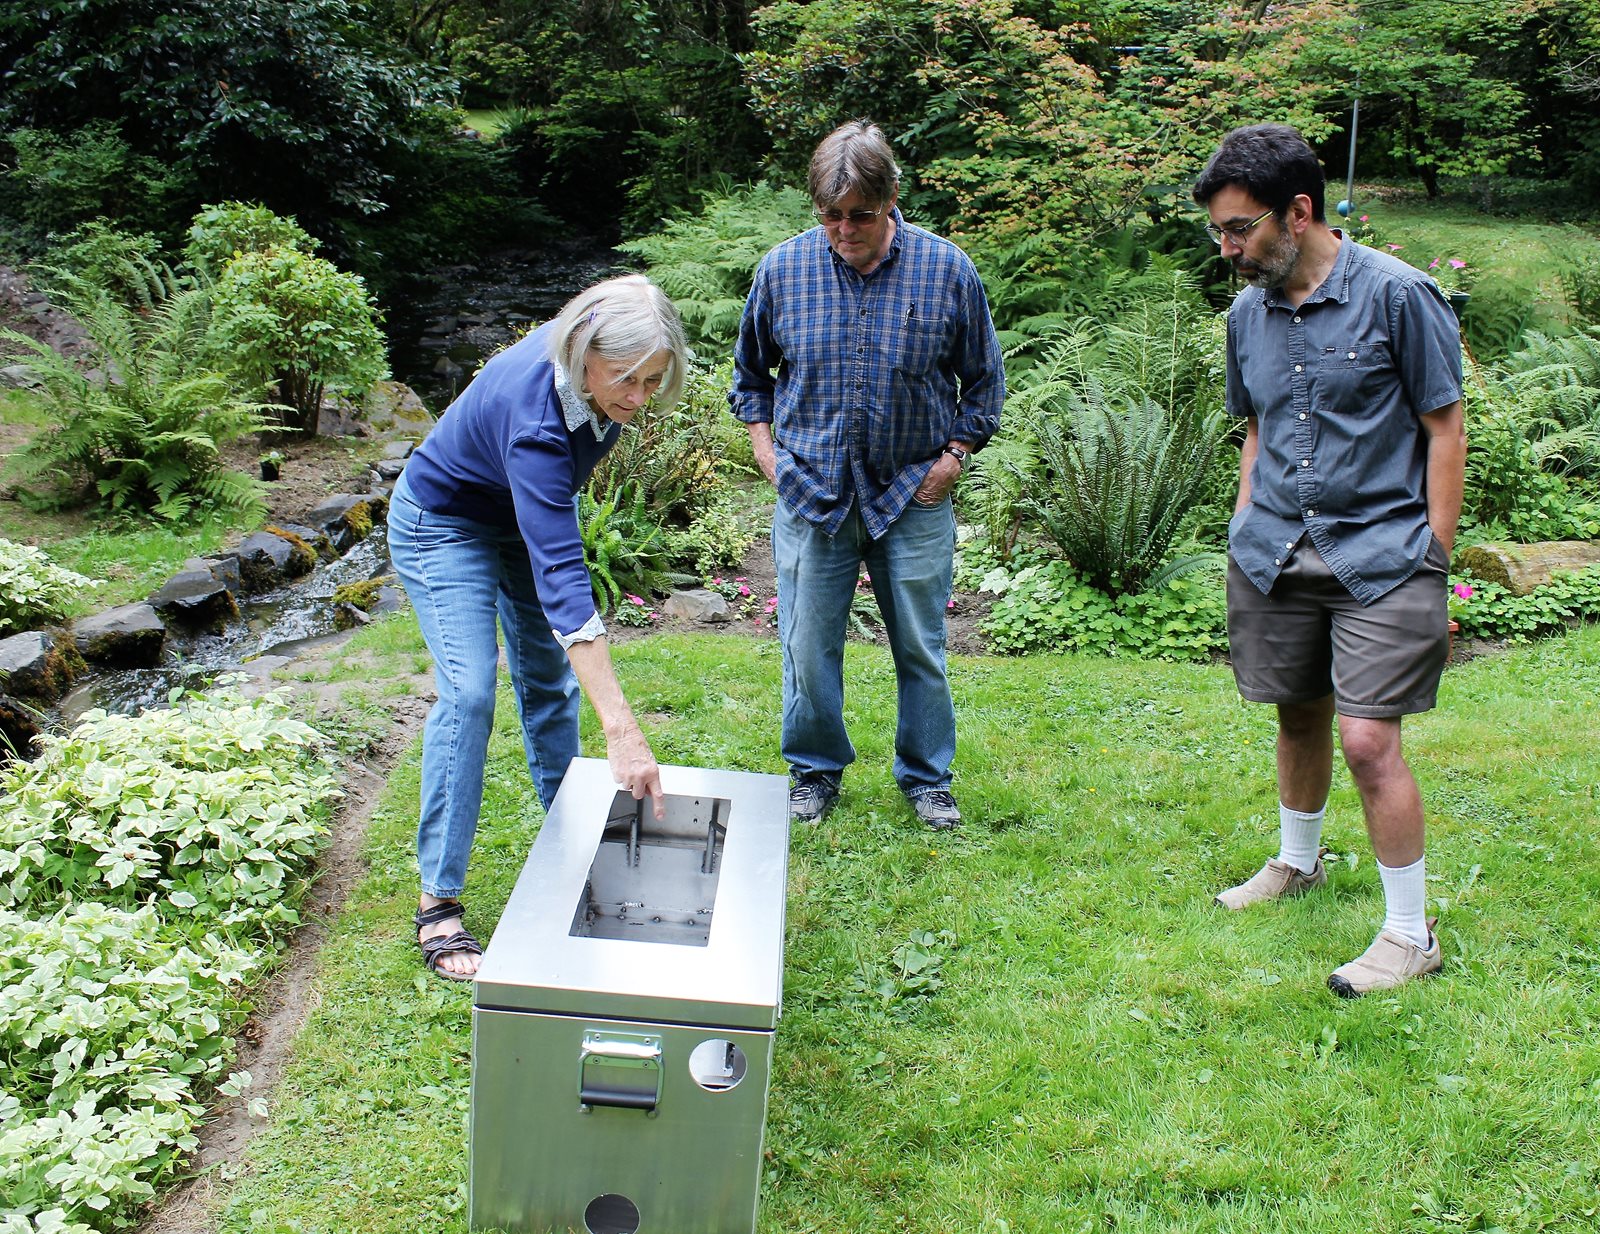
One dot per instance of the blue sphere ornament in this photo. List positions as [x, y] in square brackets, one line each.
[1344, 209]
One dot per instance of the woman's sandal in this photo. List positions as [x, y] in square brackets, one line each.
[436, 948]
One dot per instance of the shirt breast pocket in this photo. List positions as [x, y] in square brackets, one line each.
[921, 346]
[1352, 374]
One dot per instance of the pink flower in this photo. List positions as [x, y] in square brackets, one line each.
[716, 582]
[772, 604]
[743, 590]
[1394, 248]
[1457, 264]
[1463, 590]
[949, 603]
[636, 600]
[1364, 218]
[1434, 264]
[739, 579]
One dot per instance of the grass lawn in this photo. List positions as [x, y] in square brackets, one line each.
[1107, 1050]
[1523, 251]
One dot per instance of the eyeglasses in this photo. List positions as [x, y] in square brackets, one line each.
[857, 218]
[1237, 234]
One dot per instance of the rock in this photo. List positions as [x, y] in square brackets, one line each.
[224, 567]
[389, 599]
[1522, 567]
[18, 377]
[319, 541]
[400, 448]
[267, 559]
[388, 407]
[388, 469]
[697, 605]
[38, 665]
[349, 617]
[131, 636]
[18, 728]
[196, 598]
[349, 518]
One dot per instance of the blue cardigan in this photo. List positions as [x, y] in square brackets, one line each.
[502, 455]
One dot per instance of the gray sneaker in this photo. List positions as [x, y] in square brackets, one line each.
[811, 796]
[937, 808]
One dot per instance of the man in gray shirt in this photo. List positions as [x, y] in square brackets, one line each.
[1345, 364]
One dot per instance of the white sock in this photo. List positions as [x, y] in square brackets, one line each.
[1405, 897]
[1301, 837]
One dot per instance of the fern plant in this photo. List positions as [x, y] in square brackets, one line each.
[707, 261]
[139, 429]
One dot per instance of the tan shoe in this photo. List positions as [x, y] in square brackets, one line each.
[1273, 881]
[1391, 961]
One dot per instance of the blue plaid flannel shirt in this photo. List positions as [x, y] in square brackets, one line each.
[864, 380]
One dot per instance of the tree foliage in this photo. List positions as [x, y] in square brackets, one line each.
[288, 101]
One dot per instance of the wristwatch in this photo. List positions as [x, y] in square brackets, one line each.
[961, 456]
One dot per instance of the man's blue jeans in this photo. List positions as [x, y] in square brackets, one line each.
[910, 566]
[459, 574]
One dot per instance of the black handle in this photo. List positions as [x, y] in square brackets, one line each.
[625, 1099]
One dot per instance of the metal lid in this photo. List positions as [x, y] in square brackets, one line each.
[540, 958]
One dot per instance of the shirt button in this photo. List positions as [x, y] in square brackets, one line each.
[1305, 462]
[1277, 561]
[1302, 415]
[1350, 355]
[1299, 368]
[1288, 544]
[1297, 321]
[1311, 514]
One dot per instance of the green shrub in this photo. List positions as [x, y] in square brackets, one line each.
[1510, 495]
[92, 172]
[219, 233]
[623, 548]
[34, 591]
[1047, 606]
[716, 539]
[1489, 610]
[285, 318]
[144, 862]
[129, 267]
[140, 431]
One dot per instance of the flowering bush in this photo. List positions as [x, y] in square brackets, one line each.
[1489, 610]
[33, 589]
[1451, 273]
[635, 611]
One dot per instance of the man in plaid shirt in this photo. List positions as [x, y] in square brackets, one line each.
[868, 373]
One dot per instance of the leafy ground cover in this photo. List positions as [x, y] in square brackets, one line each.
[1039, 1023]
[147, 867]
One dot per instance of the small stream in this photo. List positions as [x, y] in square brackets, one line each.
[276, 627]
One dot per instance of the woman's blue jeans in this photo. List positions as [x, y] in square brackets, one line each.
[459, 575]
[911, 566]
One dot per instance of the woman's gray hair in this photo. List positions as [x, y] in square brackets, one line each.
[622, 321]
[854, 158]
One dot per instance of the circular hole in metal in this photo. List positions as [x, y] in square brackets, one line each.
[611, 1214]
[717, 1065]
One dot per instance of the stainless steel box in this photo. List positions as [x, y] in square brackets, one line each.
[624, 1011]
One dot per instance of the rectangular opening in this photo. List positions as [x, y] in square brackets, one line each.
[655, 882]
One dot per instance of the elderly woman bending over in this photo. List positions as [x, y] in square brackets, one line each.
[484, 522]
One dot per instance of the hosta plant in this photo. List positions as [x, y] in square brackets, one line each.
[33, 589]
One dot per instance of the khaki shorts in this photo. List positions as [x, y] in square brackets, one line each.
[1309, 638]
